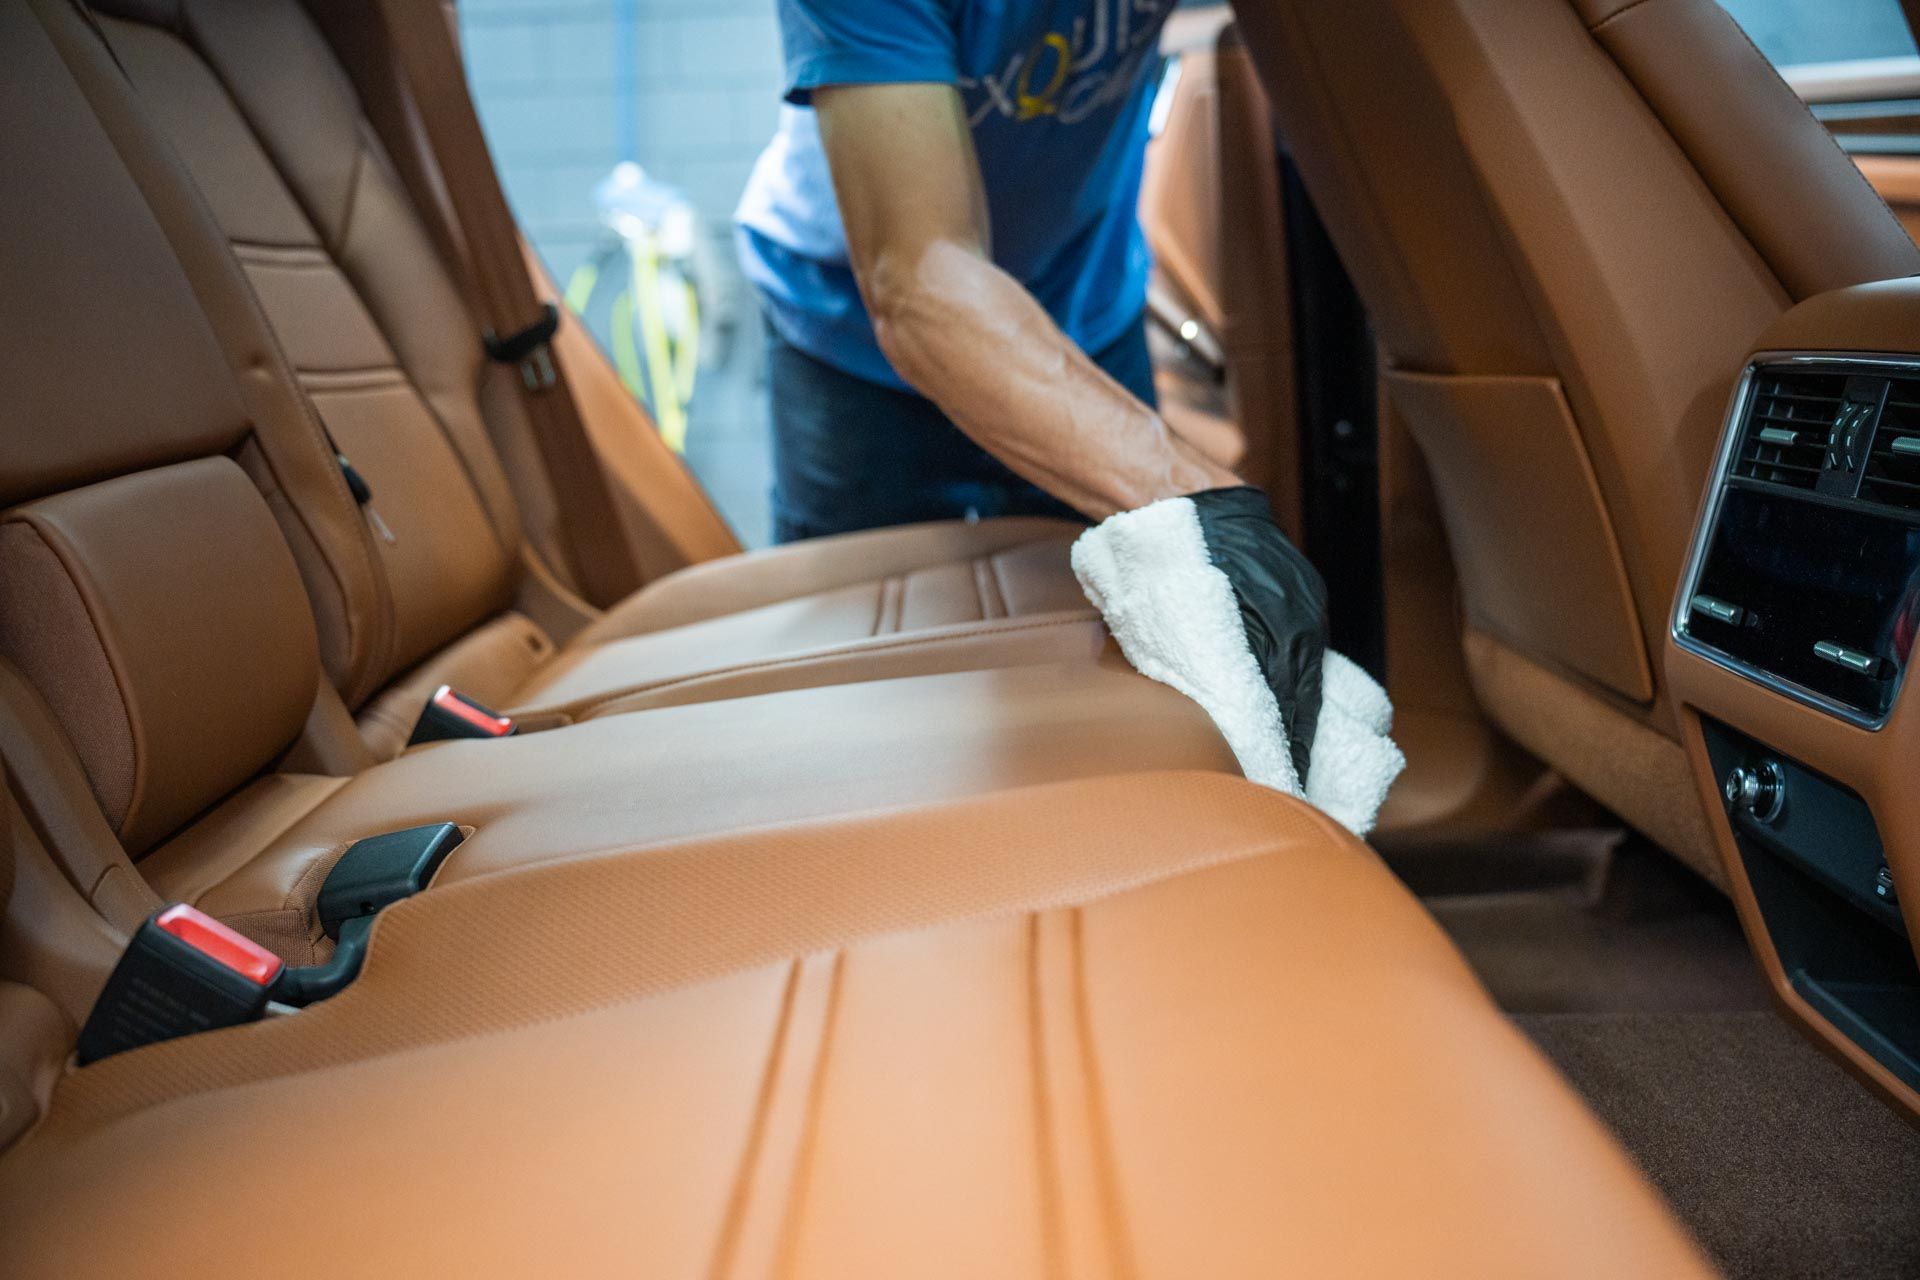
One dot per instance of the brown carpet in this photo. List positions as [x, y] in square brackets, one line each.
[1781, 1163]
[1634, 977]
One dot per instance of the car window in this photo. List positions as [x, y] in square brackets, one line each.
[1801, 32]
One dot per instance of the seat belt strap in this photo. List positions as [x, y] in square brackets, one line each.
[519, 326]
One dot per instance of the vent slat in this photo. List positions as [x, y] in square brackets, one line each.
[1895, 450]
[1886, 482]
[1801, 402]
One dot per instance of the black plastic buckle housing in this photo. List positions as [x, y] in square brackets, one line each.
[165, 986]
[371, 875]
[451, 714]
[183, 972]
[379, 871]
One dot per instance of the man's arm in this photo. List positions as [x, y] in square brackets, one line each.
[967, 335]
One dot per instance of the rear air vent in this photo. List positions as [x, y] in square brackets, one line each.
[1784, 439]
[1891, 476]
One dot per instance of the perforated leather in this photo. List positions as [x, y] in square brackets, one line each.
[1162, 1027]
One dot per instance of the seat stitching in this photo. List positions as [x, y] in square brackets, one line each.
[361, 378]
[267, 253]
[899, 603]
[1629, 7]
[305, 886]
[351, 207]
[985, 589]
[1052, 1235]
[1121, 1249]
[852, 648]
[732, 1221]
[816, 1100]
[999, 585]
[892, 590]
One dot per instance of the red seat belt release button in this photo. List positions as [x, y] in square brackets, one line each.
[452, 714]
[217, 942]
[182, 973]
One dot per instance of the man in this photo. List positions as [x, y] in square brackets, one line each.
[944, 237]
[986, 158]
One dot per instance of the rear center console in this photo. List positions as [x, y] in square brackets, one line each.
[1808, 576]
[1792, 632]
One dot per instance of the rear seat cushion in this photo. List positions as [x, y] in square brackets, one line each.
[1174, 1026]
[951, 596]
[897, 587]
[163, 618]
[622, 781]
[913, 576]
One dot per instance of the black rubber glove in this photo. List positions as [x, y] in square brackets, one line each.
[1283, 604]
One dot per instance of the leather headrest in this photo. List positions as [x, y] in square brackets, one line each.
[162, 618]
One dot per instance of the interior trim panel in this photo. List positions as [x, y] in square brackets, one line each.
[1699, 617]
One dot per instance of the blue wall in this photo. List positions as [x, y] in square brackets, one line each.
[1790, 31]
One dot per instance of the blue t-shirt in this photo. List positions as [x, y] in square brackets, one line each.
[1057, 94]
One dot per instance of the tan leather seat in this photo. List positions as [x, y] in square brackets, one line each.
[376, 329]
[257, 860]
[1176, 1026]
[172, 678]
[1569, 219]
[1091, 1027]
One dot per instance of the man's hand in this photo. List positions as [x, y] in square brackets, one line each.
[1204, 593]
[1283, 605]
[965, 334]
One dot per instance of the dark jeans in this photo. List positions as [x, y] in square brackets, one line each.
[850, 454]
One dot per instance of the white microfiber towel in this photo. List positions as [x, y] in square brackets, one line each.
[1175, 617]
[1353, 762]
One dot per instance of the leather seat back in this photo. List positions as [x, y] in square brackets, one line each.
[376, 329]
[1569, 221]
[146, 588]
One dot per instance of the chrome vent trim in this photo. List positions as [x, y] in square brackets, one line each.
[1733, 435]
[1784, 436]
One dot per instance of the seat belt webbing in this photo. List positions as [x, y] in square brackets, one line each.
[518, 324]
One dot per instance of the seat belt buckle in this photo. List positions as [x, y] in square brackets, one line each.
[182, 972]
[370, 876]
[531, 348]
[452, 714]
[379, 871]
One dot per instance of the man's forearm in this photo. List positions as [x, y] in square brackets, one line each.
[968, 337]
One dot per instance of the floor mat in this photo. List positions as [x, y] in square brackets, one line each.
[1780, 1162]
[1624, 929]
[1634, 977]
